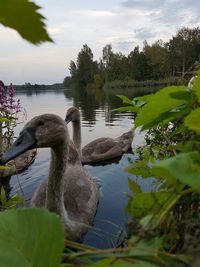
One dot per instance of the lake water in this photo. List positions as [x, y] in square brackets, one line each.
[98, 120]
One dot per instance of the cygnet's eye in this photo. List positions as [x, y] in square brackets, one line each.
[40, 123]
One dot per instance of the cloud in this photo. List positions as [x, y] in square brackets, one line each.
[142, 4]
[95, 13]
[144, 33]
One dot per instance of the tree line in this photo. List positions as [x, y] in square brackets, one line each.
[176, 58]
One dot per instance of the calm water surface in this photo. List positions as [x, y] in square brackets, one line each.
[97, 121]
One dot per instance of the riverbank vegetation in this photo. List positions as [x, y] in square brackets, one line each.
[159, 64]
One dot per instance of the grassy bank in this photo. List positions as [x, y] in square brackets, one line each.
[140, 87]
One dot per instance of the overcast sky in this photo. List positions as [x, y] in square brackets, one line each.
[121, 23]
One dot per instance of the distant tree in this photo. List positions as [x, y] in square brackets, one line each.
[115, 64]
[178, 56]
[184, 50]
[72, 68]
[156, 55]
[85, 68]
[67, 81]
[138, 65]
[107, 55]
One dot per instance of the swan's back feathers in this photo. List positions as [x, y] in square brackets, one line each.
[106, 148]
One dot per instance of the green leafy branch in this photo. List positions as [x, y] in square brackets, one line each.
[23, 16]
[171, 155]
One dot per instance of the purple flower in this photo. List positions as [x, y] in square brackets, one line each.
[8, 105]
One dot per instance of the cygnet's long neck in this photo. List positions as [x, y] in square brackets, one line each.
[77, 134]
[55, 190]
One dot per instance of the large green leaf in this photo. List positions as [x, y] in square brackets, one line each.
[160, 104]
[22, 16]
[192, 121]
[125, 99]
[122, 263]
[30, 237]
[127, 108]
[185, 167]
[147, 203]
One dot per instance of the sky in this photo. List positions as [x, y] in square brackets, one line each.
[122, 23]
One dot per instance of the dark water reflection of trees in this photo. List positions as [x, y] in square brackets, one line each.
[90, 102]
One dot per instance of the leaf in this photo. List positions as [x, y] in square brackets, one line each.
[134, 186]
[22, 16]
[185, 167]
[30, 237]
[147, 203]
[140, 167]
[121, 263]
[127, 108]
[196, 85]
[2, 119]
[192, 121]
[166, 117]
[15, 201]
[188, 146]
[3, 196]
[144, 98]
[159, 105]
[125, 99]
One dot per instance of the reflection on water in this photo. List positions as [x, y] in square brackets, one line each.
[98, 120]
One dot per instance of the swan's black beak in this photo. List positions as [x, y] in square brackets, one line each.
[67, 119]
[24, 142]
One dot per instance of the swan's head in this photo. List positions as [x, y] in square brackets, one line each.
[73, 114]
[47, 130]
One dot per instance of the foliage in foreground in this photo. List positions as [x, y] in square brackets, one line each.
[164, 230]
[171, 212]
[23, 17]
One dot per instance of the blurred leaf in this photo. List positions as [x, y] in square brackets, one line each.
[125, 99]
[146, 221]
[188, 146]
[166, 117]
[146, 203]
[122, 263]
[140, 103]
[127, 108]
[22, 16]
[196, 85]
[3, 198]
[2, 119]
[163, 173]
[15, 201]
[30, 237]
[185, 167]
[159, 105]
[139, 167]
[192, 121]
[147, 250]
[134, 186]
[144, 98]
